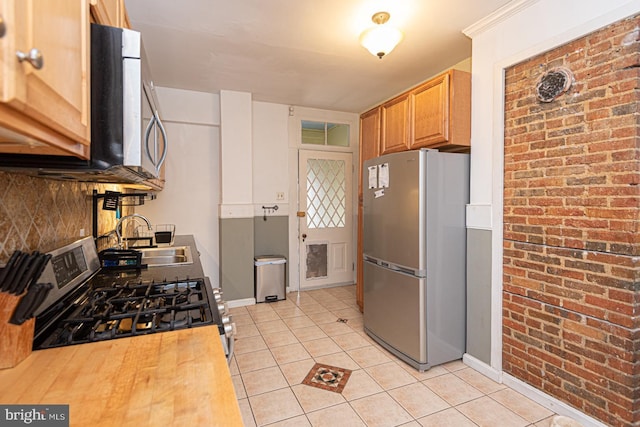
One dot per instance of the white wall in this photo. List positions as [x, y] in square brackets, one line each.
[237, 171]
[192, 191]
[270, 156]
[520, 30]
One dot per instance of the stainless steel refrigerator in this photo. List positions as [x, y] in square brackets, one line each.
[415, 254]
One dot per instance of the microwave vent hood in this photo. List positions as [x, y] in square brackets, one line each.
[124, 116]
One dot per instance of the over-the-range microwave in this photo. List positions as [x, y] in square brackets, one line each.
[128, 141]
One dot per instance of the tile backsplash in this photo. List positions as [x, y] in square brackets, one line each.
[44, 214]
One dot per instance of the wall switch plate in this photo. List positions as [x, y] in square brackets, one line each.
[280, 195]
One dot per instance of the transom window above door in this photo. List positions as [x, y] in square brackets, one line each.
[324, 133]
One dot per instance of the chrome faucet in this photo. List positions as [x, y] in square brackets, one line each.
[118, 228]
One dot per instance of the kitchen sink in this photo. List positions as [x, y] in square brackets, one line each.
[174, 255]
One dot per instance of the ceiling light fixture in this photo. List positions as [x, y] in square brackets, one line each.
[381, 39]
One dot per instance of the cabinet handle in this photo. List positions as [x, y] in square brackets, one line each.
[3, 27]
[34, 57]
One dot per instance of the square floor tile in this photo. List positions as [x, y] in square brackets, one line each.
[350, 341]
[263, 381]
[454, 365]
[298, 322]
[476, 379]
[278, 339]
[289, 312]
[335, 328]
[238, 310]
[271, 326]
[247, 330]
[447, 418]
[348, 313]
[308, 334]
[390, 375]
[243, 319]
[321, 347]
[233, 366]
[340, 306]
[418, 400]
[360, 384]
[264, 316]
[338, 359]
[247, 414]
[249, 344]
[521, 405]
[299, 421]
[380, 410]
[320, 318]
[296, 372]
[312, 398]
[341, 415]
[487, 412]
[452, 389]
[275, 406]
[238, 387]
[290, 353]
[253, 361]
[433, 372]
[368, 356]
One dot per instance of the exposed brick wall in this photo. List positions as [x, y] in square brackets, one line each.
[571, 286]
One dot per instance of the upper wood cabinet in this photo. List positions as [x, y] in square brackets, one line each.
[110, 12]
[395, 128]
[44, 97]
[370, 134]
[442, 112]
[435, 114]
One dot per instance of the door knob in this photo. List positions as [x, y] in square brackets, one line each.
[304, 236]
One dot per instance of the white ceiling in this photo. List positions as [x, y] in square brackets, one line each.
[301, 52]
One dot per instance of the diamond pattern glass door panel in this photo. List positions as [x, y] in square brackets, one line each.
[326, 193]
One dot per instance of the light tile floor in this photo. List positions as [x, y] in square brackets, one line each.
[278, 343]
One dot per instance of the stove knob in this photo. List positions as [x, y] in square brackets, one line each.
[217, 290]
[226, 319]
[222, 307]
[230, 329]
[217, 297]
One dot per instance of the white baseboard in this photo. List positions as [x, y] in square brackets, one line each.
[241, 302]
[482, 367]
[550, 402]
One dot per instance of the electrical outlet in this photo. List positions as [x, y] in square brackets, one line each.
[280, 195]
[82, 232]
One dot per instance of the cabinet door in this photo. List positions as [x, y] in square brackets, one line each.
[109, 12]
[369, 148]
[395, 128]
[57, 95]
[431, 112]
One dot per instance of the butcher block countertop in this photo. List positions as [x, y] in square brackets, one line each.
[172, 378]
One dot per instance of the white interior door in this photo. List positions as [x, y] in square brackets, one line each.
[325, 218]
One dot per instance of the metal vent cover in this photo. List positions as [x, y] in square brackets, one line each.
[554, 83]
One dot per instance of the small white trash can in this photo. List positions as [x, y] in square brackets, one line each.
[270, 278]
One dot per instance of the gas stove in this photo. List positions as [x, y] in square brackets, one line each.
[90, 306]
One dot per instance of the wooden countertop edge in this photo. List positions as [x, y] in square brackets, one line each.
[170, 378]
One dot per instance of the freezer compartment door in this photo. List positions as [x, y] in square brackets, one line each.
[395, 310]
